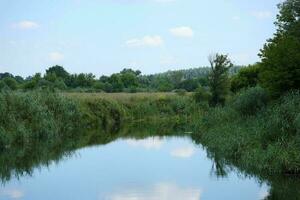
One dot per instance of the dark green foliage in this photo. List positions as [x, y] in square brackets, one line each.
[250, 101]
[100, 113]
[245, 78]
[201, 95]
[266, 142]
[10, 82]
[218, 79]
[58, 71]
[280, 65]
[280, 68]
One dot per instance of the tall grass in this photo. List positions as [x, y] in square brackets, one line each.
[25, 117]
[267, 140]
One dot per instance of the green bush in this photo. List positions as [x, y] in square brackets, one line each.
[250, 101]
[201, 95]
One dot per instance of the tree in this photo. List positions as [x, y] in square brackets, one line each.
[130, 78]
[59, 71]
[280, 64]
[32, 82]
[116, 82]
[85, 80]
[218, 78]
[11, 83]
[245, 78]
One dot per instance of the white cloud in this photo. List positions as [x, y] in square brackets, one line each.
[148, 41]
[12, 193]
[150, 143]
[185, 152]
[262, 14]
[161, 191]
[183, 31]
[26, 25]
[56, 56]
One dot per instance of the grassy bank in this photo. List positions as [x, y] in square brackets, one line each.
[250, 132]
[253, 133]
[26, 118]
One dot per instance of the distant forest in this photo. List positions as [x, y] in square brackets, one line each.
[128, 80]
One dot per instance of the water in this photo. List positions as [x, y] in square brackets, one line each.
[151, 168]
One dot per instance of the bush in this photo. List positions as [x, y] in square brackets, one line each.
[11, 83]
[201, 95]
[250, 101]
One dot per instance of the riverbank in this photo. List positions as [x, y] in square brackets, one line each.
[250, 132]
[30, 117]
[258, 138]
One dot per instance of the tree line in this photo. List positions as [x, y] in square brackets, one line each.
[127, 80]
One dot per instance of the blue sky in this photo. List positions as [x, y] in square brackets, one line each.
[105, 36]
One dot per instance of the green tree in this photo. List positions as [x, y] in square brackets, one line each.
[11, 83]
[59, 71]
[129, 80]
[218, 78]
[116, 82]
[245, 78]
[33, 82]
[280, 65]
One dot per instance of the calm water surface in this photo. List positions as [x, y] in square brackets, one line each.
[154, 168]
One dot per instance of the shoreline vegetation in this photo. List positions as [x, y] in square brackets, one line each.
[259, 134]
[246, 117]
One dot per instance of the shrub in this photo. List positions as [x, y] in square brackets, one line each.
[201, 95]
[11, 83]
[250, 101]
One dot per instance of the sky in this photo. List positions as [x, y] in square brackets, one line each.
[105, 36]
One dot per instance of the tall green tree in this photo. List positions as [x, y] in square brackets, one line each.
[59, 71]
[219, 79]
[280, 65]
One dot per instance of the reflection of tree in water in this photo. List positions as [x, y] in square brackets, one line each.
[281, 187]
[218, 169]
[19, 161]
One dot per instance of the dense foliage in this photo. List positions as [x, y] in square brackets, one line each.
[280, 65]
[253, 135]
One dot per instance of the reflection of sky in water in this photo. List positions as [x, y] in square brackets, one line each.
[161, 191]
[150, 169]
